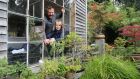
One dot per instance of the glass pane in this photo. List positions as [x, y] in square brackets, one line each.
[35, 8]
[17, 52]
[67, 3]
[16, 28]
[18, 6]
[66, 17]
[66, 29]
[60, 2]
[35, 30]
[35, 54]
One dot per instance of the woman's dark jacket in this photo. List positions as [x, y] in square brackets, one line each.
[56, 34]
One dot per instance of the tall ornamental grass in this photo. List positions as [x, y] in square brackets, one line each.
[109, 67]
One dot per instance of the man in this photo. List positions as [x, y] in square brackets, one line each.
[50, 20]
[51, 17]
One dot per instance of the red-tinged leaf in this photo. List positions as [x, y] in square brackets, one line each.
[131, 31]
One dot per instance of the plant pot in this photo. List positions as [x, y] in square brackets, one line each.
[54, 77]
[9, 77]
[100, 42]
[74, 74]
[100, 36]
[70, 75]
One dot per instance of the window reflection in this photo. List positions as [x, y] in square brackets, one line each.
[17, 53]
[35, 8]
[35, 50]
[35, 29]
[17, 28]
[60, 2]
[18, 6]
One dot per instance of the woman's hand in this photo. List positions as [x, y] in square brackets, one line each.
[52, 40]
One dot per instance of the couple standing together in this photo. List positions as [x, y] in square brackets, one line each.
[53, 25]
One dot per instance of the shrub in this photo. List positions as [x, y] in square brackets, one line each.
[122, 51]
[18, 70]
[55, 67]
[108, 67]
[133, 32]
[119, 42]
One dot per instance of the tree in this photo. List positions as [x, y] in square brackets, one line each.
[102, 13]
[133, 32]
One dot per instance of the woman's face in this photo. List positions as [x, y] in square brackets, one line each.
[58, 25]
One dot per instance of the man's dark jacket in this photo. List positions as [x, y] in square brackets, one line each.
[49, 23]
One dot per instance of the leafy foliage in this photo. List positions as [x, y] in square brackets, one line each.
[133, 32]
[122, 51]
[33, 34]
[120, 42]
[102, 13]
[53, 67]
[58, 67]
[72, 39]
[18, 70]
[108, 67]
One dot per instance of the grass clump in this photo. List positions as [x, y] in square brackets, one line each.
[109, 67]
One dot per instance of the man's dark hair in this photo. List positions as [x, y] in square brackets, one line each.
[50, 7]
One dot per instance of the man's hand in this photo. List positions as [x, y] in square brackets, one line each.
[46, 41]
[63, 10]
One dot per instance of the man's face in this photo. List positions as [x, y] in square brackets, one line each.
[50, 12]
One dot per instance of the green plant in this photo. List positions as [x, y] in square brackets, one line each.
[55, 67]
[74, 43]
[122, 51]
[28, 74]
[74, 65]
[109, 67]
[72, 40]
[57, 48]
[108, 48]
[101, 14]
[119, 42]
[74, 68]
[17, 70]
[33, 34]
[4, 71]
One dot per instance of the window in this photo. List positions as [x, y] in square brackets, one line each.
[25, 32]
[17, 52]
[35, 8]
[18, 6]
[35, 36]
[16, 28]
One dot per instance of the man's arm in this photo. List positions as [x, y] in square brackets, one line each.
[59, 15]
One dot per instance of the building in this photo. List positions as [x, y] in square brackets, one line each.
[22, 24]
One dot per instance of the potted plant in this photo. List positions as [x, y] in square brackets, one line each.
[53, 69]
[101, 14]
